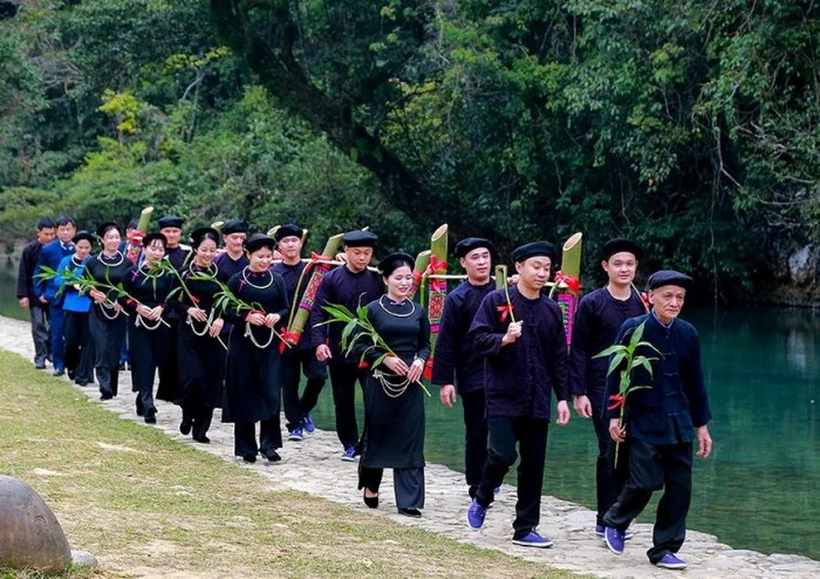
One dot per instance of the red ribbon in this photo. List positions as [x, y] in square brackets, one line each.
[194, 299]
[363, 365]
[617, 401]
[435, 266]
[291, 337]
[505, 311]
[573, 283]
[318, 258]
[645, 300]
[428, 369]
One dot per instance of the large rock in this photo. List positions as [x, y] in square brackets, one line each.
[30, 535]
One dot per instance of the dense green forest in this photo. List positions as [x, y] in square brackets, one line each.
[691, 126]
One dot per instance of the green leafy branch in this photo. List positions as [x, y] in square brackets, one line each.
[225, 299]
[350, 335]
[625, 361]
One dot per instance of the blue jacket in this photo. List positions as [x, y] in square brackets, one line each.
[73, 301]
[51, 255]
[676, 403]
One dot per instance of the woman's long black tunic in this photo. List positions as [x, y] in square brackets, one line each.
[394, 427]
[108, 334]
[252, 379]
[201, 357]
[147, 347]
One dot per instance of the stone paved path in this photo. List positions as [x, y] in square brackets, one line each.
[313, 466]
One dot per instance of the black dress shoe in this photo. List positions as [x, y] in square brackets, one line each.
[106, 396]
[151, 419]
[271, 455]
[185, 426]
[372, 502]
[202, 439]
[415, 513]
[249, 459]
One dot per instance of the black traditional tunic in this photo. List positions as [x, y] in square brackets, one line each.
[177, 256]
[252, 380]
[201, 357]
[456, 361]
[107, 327]
[597, 321]
[147, 339]
[394, 424]
[230, 266]
[520, 377]
[341, 287]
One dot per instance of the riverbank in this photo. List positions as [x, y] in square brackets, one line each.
[313, 466]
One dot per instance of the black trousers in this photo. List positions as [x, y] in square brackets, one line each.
[39, 332]
[200, 417]
[609, 476]
[652, 467]
[291, 367]
[79, 348]
[168, 388]
[531, 436]
[109, 380]
[343, 381]
[270, 437]
[408, 484]
[475, 437]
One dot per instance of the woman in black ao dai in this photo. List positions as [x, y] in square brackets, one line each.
[394, 401]
[252, 388]
[106, 320]
[201, 354]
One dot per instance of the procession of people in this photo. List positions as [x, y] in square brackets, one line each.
[215, 327]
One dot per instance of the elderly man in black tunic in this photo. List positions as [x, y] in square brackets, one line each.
[525, 359]
[351, 285]
[661, 422]
[298, 359]
[600, 314]
[171, 227]
[456, 366]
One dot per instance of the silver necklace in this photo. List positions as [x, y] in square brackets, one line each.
[248, 282]
[100, 259]
[395, 315]
[204, 270]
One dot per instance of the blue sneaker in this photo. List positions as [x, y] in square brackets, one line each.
[476, 514]
[308, 424]
[671, 561]
[614, 540]
[349, 455]
[295, 434]
[599, 530]
[533, 539]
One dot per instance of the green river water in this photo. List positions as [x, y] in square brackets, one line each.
[758, 490]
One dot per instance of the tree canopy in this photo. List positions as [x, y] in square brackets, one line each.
[689, 126]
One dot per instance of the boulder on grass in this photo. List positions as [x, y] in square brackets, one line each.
[30, 535]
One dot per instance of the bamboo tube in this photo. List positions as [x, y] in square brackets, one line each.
[272, 231]
[133, 245]
[218, 225]
[422, 261]
[300, 318]
[500, 276]
[571, 258]
[438, 289]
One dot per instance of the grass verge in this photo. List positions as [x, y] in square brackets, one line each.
[145, 504]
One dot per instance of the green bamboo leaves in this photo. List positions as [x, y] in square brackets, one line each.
[358, 327]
